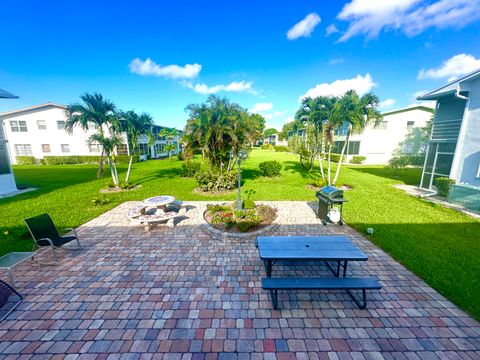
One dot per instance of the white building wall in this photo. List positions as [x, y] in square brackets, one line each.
[378, 144]
[466, 164]
[7, 181]
[77, 141]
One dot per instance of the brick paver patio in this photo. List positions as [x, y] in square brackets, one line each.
[178, 293]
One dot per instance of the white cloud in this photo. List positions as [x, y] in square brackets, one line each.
[387, 103]
[304, 28]
[412, 17]
[361, 84]
[331, 29]
[335, 61]
[234, 86]
[261, 107]
[149, 67]
[452, 68]
[269, 116]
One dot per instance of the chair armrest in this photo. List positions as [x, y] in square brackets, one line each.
[46, 239]
[72, 230]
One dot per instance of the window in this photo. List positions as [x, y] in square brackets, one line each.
[60, 125]
[353, 147]
[18, 126]
[23, 149]
[410, 125]
[65, 148]
[382, 125]
[46, 148]
[94, 147]
[41, 125]
[143, 149]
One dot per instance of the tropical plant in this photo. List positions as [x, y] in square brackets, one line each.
[169, 135]
[109, 145]
[269, 132]
[93, 111]
[216, 128]
[319, 112]
[356, 111]
[134, 125]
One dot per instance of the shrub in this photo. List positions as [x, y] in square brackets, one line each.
[333, 157]
[25, 160]
[281, 148]
[266, 213]
[226, 218]
[357, 159]
[248, 204]
[214, 208]
[100, 201]
[246, 220]
[190, 168]
[209, 180]
[84, 159]
[398, 162]
[267, 147]
[270, 168]
[443, 185]
[415, 160]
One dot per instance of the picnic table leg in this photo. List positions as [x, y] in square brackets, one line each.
[338, 268]
[268, 267]
[345, 268]
[10, 276]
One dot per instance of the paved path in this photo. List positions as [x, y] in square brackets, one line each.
[177, 293]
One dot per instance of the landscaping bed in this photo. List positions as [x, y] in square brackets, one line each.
[225, 217]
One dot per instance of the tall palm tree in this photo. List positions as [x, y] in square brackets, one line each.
[94, 110]
[318, 112]
[134, 125]
[357, 112]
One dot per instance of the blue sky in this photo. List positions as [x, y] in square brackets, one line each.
[264, 55]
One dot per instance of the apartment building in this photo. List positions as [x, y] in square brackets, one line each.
[39, 131]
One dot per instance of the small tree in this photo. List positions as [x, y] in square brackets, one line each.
[169, 136]
[134, 125]
[109, 145]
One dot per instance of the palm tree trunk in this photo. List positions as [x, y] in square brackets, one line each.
[112, 172]
[101, 168]
[130, 162]
[341, 158]
[320, 161]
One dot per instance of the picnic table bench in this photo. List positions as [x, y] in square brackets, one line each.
[337, 249]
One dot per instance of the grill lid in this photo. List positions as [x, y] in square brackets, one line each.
[330, 192]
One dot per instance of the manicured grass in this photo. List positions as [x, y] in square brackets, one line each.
[436, 243]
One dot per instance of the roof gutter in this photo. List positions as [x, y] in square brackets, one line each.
[457, 95]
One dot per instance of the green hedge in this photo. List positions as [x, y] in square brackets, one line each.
[443, 185]
[270, 168]
[25, 160]
[357, 159]
[87, 159]
[281, 148]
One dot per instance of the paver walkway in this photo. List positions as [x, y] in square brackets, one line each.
[178, 293]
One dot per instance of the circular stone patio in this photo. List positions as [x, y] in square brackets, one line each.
[171, 291]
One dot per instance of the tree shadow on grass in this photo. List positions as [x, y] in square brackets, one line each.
[250, 174]
[409, 176]
[296, 167]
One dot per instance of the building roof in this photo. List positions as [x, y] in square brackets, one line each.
[6, 95]
[32, 108]
[409, 108]
[449, 88]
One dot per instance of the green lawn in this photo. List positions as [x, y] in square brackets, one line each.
[438, 244]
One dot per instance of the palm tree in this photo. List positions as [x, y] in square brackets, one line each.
[318, 111]
[109, 144]
[169, 136]
[215, 128]
[357, 112]
[134, 125]
[94, 110]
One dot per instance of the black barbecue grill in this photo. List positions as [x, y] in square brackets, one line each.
[329, 197]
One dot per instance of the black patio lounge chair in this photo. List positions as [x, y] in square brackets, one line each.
[45, 233]
[6, 291]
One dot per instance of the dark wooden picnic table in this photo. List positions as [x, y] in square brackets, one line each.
[338, 249]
